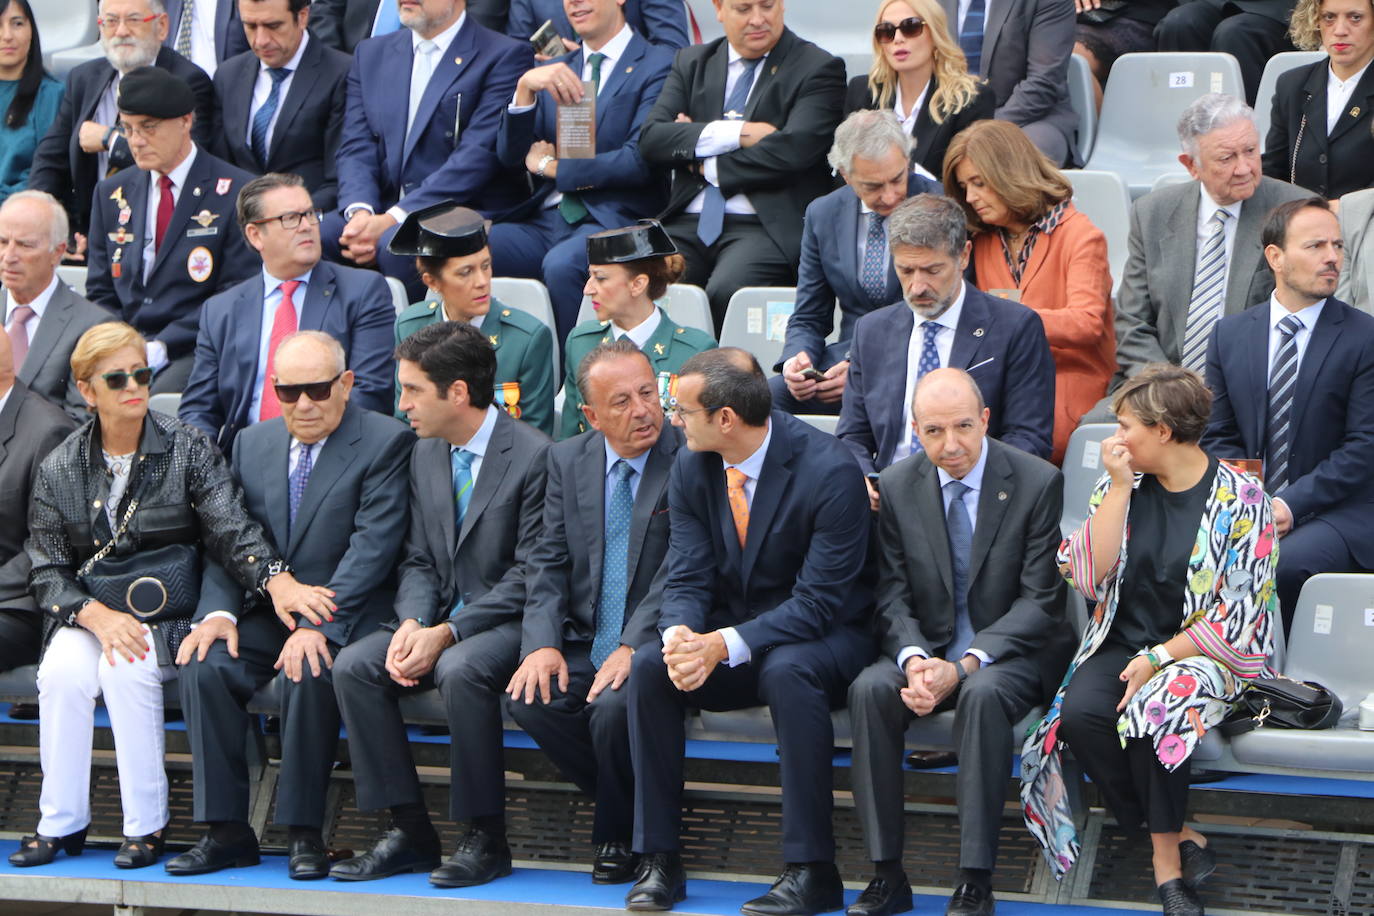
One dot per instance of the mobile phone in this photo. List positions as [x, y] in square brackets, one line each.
[813, 374]
[546, 40]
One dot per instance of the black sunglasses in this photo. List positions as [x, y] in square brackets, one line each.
[910, 27]
[119, 380]
[315, 391]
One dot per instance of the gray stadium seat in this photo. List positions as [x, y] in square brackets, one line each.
[756, 320]
[64, 24]
[399, 299]
[1170, 178]
[1145, 94]
[1082, 469]
[529, 296]
[1103, 198]
[63, 62]
[686, 304]
[75, 277]
[1084, 102]
[1278, 65]
[824, 422]
[167, 402]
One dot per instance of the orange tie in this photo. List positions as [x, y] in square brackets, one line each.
[739, 501]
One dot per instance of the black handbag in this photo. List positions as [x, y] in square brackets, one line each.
[152, 585]
[1281, 702]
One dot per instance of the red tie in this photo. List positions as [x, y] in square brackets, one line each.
[283, 325]
[164, 211]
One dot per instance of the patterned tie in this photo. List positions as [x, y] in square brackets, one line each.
[299, 478]
[929, 361]
[420, 72]
[1283, 373]
[388, 18]
[739, 501]
[283, 324]
[712, 218]
[165, 205]
[971, 36]
[19, 334]
[1204, 309]
[183, 42]
[263, 119]
[571, 206]
[610, 609]
[873, 276]
[960, 532]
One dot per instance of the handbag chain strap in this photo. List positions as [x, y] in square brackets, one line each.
[103, 552]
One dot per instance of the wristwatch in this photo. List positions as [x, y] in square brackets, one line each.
[543, 164]
[961, 671]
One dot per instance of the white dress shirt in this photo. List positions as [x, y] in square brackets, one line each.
[639, 334]
[909, 119]
[1277, 312]
[720, 137]
[262, 88]
[944, 343]
[39, 306]
[1206, 209]
[5, 398]
[636, 465]
[1338, 95]
[271, 300]
[478, 443]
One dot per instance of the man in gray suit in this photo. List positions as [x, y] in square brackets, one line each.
[328, 481]
[593, 598]
[1187, 264]
[30, 427]
[43, 316]
[971, 618]
[476, 510]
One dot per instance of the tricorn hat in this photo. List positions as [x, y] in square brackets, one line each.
[645, 239]
[444, 230]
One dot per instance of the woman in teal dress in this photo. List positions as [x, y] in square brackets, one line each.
[629, 269]
[29, 97]
[449, 244]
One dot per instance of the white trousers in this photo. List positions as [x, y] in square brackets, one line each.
[72, 674]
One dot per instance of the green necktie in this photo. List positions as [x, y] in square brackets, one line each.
[571, 206]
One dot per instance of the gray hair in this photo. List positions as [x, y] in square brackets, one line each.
[928, 221]
[1208, 113]
[621, 348]
[868, 134]
[157, 6]
[324, 340]
[57, 223]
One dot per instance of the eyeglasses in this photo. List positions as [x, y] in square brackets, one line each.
[910, 27]
[292, 220]
[315, 391]
[119, 380]
[681, 412]
[147, 129]
[112, 23]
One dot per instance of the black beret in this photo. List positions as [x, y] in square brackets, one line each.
[645, 239]
[443, 230]
[155, 93]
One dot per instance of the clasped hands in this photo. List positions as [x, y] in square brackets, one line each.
[929, 681]
[361, 235]
[691, 657]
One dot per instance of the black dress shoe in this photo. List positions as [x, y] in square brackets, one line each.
[1198, 863]
[140, 851]
[307, 859]
[615, 863]
[479, 858]
[931, 760]
[1179, 899]
[209, 854]
[971, 900]
[24, 712]
[802, 889]
[40, 850]
[882, 898]
[394, 853]
[662, 883]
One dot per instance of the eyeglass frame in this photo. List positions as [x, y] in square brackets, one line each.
[304, 389]
[131, 21]
[127, 130]
[315, 212]
[146, 371]
[679, 411]
[910, 27]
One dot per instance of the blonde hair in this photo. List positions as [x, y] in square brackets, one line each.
[957, 87]
[1305, 27]
[1012, 168]
[100, 342]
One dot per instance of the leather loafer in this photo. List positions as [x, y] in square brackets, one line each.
[615, 863]
[971, 900]
[140, 851]
[883, 898]
[931, 760]
[307, 859]
[1179, 899]
[801, 890]
[210, 855]
[479, 858]
[394, 853]
[662, 883]
[1198, 863]
[40, 850]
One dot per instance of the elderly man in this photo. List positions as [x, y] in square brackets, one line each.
[83, 146]
[162, 234]
[231, 384]
[327, 480]
[973, 626]
[844, 257]
[43, 316]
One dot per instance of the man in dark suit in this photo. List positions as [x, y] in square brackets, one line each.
[162, 233]
[744, 123]
[1293, 384]
[766, 601]
[30, 427]
[544, 238]
[593, 592]
[942, 322]
[971, 618]
[1251, 31]
[82, 146]
[662, 22]
[476, 510]
[231, 383]
[341, 24]
[440, 145]
[844, 257]
[281, 104]
[206, 32]
[43, 316]
[328, 481]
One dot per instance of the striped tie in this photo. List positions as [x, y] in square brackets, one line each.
[183, 39]
[1282, 375]
[1208, 283]
[971, 36]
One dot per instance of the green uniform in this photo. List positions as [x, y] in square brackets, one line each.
[668, 348]
[524, 358]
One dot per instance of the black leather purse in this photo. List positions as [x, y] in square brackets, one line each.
[152, 585]
[1281, 702]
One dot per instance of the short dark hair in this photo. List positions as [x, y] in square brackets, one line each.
[1168, 395]
[732, 378]
[613, 349]
[1275, 231]
[292, 6]
[249, 208]
[453, 351]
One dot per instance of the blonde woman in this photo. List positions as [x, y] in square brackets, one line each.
[920, 73]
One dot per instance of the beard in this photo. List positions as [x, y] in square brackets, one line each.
[125, 54]
[421, 22]
[930, 310]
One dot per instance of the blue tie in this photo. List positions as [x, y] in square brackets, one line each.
[263, 119]
[610, 609]
[873, 277]
[712, 217]
[388, 18]
[299, 478]
[1283, 375]
[461, 460]
[971, 36]
[929, 361]
[960, 532]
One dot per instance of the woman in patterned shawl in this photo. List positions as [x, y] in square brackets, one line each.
[1177, 632]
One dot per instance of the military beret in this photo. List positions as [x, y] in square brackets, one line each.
[155, 93]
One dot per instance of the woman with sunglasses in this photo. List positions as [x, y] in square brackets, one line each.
[143, 481]
[29, 97]
[920, 73]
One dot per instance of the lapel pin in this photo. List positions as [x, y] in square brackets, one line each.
[775, 69]
[977, 332]
[458, 61]
[658, 348]
[195, 191]
[1355, 112]
[492, 338]
[1002, 494]
[629, 69]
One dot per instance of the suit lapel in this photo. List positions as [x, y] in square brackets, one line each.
[277, 461]
[9, 417]
[931, 505]
[1358, 105]
[247, 336]
[136, 195]
[997, 17]
[975, 326]
[591, 499]
[437, 472]
[892, 419]
[338, 453]
[238, 103]
[50, 328]
[453, 60]
[993, 498]
[1315, 108]
[1257, 346]
[319, 297]
[192, 196]
[1179, 246]
[850, 219]
[712, 91]
[1246, 254]
[768, 73]
[773, 481]
[619, 76]
[495, 463]
[1318, 348]
[652, 485]
[302, 85]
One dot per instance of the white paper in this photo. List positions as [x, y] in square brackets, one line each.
[1321, 622]
[754, 319]
[1092, 455]
[1181, 80]
[1218, 81]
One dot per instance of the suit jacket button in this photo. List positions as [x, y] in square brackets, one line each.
[1322, 158]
